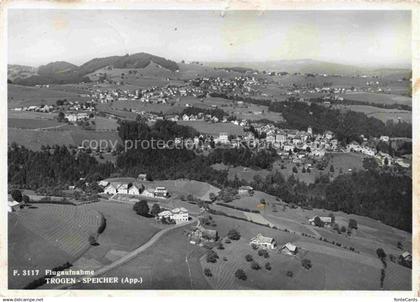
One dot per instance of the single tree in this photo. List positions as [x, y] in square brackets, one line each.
[234, 234]
[141, 208]
[155, 209]
[352, 224]
[240, 274]
[17, 195]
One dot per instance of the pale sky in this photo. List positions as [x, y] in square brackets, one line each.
[382, 38]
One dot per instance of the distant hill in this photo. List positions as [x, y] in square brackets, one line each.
[65, 73]
[56, 67]
[20, 71]
[310, 66]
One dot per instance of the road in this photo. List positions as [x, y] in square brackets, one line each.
[133, 253]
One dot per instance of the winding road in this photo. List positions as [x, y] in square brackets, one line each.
[131, 254]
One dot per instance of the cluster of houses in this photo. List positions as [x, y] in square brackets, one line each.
[35, 108]
[135, 189]
[200, 235]
[271, 244]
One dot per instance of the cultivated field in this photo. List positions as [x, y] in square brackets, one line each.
[171, 263]
[34, 139]
[22, 123]
[125, 231]
[45, 236]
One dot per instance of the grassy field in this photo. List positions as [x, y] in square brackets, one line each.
[105, 124]
[20, 96]
[22, 123]
[120, 219]
[171, 263]
[380, 113]
[46, 236]
[34, 139]
[379, 98]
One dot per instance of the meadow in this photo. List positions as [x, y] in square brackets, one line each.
[20, 96]
[381, 113]
[378, 98]
[46, 236]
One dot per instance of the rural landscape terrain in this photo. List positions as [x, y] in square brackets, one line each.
[331, 192]
[208, 150]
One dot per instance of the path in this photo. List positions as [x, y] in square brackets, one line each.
[133, 253]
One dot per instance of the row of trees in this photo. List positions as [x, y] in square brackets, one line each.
[56, 167]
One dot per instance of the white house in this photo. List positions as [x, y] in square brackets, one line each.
[122, 189]
[148, 193]
[223, 138]
[103, 183]
[179, 215]
[12, 206]
[289, 249]
[160, 192]
[384, 138]
[111, 189]
[264, 242]
[325, 220]
[245, 189]
[135, 189]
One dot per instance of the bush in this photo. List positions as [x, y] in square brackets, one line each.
[102, 226]
[255, 266]
[254, 246]
[318, 222]
[289, 274]
[92, 240]
[212, 257]
[17, 195]
[381, 254]
[234, 234]
[207, 272]
[306, 263]
[263, 253]
[352, 224]
[240, 274]
[141, 208]
[220, 246]
[268, 266]
[248, 258]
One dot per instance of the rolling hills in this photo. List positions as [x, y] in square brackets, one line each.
[66, 73]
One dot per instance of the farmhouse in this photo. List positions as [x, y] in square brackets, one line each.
[103, 183]
[178, 215]
[406, 256]
[123, 188]
[245, 189]
[135, 189]
[112, 188]
[326, 220]
[160, 192]
[201, 234]
[264, 242]
[148, 193]
[12, 206]
[289, 249]
[142, 177]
